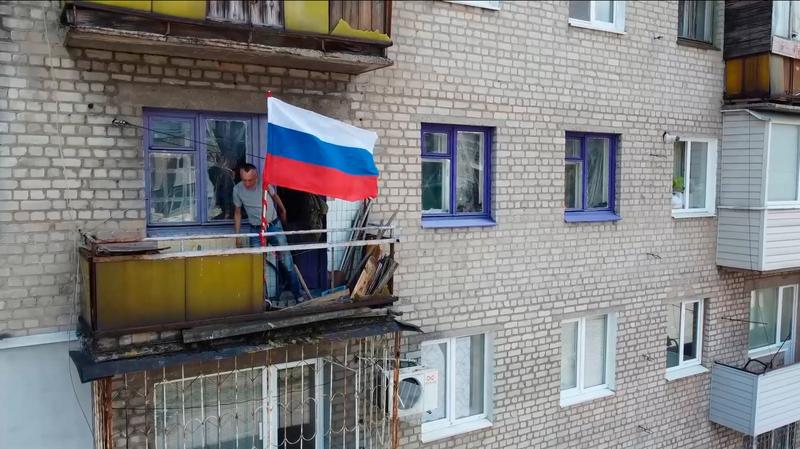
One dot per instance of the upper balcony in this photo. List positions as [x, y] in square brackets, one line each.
[753, 403]
[343, 36]
[205, 287]
[762, 51]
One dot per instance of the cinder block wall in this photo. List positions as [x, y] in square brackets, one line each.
[521, 70]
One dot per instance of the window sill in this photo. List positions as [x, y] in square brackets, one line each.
[686, 42]
[610, 28]
[768, 350]
[681, 213]
[585, 397]
[684, 371]
[457, 222]
[446, 432]
[592, 216]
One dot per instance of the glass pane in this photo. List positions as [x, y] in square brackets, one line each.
[794, 31]
[604, 11]
[435, 356]
[782, 182]
[698, 166]
[691, 329]
[594, 357]
[226, 150]
[469, 370]
[780, 17]
[787, 313]
[763, 315]
[673, 334]
[172, 188]
[296, 407]
[679, 176]
[434, 143]
[597, 149]
[569, 355]
[171, 133]
[579, 9]
[435, 186]
[573, 185]
[470, 150]
[573, 148]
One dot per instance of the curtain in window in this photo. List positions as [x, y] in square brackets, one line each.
[594, 370]
[598, 175]
[569, 355]
[469, 368]
[469, 146]
[763, 314]
[435, 356]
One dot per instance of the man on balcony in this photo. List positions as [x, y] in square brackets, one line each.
[247, 193]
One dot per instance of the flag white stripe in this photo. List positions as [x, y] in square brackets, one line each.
[324, 128]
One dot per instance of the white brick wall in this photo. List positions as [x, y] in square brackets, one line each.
[522, 70]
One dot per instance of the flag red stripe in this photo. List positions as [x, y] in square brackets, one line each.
[317, 179]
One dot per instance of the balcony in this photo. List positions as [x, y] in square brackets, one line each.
[206, 288]
[759, 207]
[754, 403]
[343, 36]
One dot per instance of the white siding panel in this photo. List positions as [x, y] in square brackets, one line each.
[740, 160]
[782, 239]
[733, 398]
[778, 398]
[739, 239]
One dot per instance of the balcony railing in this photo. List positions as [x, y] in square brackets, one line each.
[754, 403]
[346, 36]
[181, 282]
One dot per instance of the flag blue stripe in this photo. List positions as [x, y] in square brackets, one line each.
[307, 148]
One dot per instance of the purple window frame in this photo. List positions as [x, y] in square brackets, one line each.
[453, 218]
[257, 138]
[593, 214]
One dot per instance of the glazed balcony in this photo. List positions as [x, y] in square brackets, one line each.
[753, 403]
[344, 36]
[187, 282]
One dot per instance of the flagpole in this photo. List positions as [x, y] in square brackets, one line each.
[264, 190]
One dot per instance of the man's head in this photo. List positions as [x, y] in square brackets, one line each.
[249, 175]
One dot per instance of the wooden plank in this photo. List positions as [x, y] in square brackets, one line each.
[360, 289]
[378, 15]
[322, 300]
[350, 12]
[364, 15]
[335, 8]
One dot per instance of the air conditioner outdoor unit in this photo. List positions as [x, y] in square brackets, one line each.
[418, 390]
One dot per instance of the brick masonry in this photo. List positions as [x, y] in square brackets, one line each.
[522, 70]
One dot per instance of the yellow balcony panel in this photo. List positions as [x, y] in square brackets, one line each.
[307, 16]
[188, 9]
[221, 286]
[139, 5]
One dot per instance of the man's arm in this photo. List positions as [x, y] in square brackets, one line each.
[279, 206]
[237, 223]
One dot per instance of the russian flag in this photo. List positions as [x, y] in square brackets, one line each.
[310, 152]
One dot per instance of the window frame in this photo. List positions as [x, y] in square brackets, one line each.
[711, 180]
[788, 347]
[453, 218]
[450, 426]
[617, 26]
[199, 151]
[593, 214]
[269, 392]
[579, 393]
[791, 33]
[710, 10]
[698, 360]
[781, 203]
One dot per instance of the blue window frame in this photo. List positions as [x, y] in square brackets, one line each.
[456, 175]
[191, 165]
[589, 177]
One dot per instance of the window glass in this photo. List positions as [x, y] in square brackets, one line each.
[435, 186]
[469, 370]
[580, 9]
[172, 188]
[782, 182]
[691, 315]
[604, 11]
[470, 149]
[435, 143]
[226, 151]
[296, 406]
[573, 148]
[594, 370]
[573, 185]
[780, 17]
[679, 175]
[696, 18]
[763, 316]
[569, 355]
[598, 175]
[435, 356]
[673, 334]
[787, 313]
[698, 168]
[171, 133]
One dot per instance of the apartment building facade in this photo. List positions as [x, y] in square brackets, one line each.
[568, 182]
